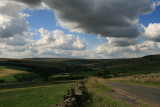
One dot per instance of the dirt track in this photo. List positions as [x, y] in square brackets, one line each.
[147, 94]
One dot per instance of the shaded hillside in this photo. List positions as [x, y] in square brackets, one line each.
[100, 67]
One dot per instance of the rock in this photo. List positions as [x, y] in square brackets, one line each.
[78, 91]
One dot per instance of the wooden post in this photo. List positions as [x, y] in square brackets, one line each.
[68, 92]
[64, 97]
[72, 93]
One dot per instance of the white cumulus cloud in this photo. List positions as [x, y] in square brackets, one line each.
[57, 39]
[152, 32]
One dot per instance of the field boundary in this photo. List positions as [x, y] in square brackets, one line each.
[75, 97]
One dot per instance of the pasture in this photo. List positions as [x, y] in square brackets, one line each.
[34, 96]
[9, 72]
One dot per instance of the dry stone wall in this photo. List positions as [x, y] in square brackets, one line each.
[77, 97]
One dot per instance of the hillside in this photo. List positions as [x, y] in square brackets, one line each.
[106, 68]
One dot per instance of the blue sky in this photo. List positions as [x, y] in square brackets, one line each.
[81, 29]
[153, 17]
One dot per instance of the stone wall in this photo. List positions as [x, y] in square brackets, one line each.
[77, 97]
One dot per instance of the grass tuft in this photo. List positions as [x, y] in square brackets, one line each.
[97, 88]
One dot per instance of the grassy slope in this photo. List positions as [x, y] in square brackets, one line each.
[7, 72]
[12, 67]
[116, 67]
[39, 96]
[125, 67]
[90, 67]
[97, 87]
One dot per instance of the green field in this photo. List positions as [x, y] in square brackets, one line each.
[12, 67]
[7, 73]
[10, 72]
[38, 96]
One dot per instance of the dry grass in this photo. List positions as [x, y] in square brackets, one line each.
[94, 82]
[97, 88]
[9, 72]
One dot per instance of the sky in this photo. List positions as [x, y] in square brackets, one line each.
[97, 29]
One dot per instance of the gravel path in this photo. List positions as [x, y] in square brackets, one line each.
[148, 94]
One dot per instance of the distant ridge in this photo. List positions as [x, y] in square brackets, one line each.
[64, 59]
[157, 56]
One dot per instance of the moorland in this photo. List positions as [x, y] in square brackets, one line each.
[42, 82]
